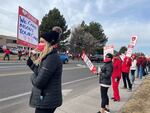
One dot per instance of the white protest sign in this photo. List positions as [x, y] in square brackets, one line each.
[108, 49]
[88, 63]
[27, 32]
[129, 50]
[131, 46]
[133, 40]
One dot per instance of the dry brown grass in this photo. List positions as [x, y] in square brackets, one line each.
[140, 100]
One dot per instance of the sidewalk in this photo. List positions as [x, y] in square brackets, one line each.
[90, 102]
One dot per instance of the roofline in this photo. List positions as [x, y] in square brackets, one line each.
[8, 37]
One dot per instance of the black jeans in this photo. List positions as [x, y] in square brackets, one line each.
[6, 55]
[104, 97]
[125, 76]
[132, 76]
[38, 110]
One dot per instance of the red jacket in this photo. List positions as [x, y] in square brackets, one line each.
[139, 61]
[144, 62]
[127, 62]
[7, 51]
[117, 64]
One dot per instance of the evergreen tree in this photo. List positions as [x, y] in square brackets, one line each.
[54, 18]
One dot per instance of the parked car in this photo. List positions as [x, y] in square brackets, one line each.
[96, 58]
[13, 51]
[64, 58]
[1, 50]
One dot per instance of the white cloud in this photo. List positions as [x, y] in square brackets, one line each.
[120, 33]
[112, 7]
[106, 12]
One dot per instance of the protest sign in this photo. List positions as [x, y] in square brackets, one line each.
[108, 49]
[131, 46]
[89, 63]
[27, 31]
[133, 40]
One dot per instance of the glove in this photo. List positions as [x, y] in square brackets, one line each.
[29, 62]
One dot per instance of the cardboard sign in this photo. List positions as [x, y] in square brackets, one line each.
[27, 31]
[108, 49]
[88, 63]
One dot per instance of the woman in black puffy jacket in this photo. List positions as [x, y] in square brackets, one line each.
[46, 93]
[105, 82]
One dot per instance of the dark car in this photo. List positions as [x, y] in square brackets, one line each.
[96, 58]
[1, 50]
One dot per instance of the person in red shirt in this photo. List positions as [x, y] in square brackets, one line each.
[116, 76]
[125, 72]
[6, 54]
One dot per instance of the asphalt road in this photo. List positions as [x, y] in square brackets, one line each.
[15, 84]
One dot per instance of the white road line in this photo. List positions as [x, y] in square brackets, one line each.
[12, 63]
[15, 96]
[27, 93]
[12, 74]
[72, 68]
[6, 67]
[30, 72]
[78, 80]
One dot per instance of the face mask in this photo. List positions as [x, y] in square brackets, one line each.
[107, 59]
[41, 46]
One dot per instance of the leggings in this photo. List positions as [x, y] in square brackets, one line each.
[104, 97]
[38, 110]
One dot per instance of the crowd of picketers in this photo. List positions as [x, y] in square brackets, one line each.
[22, 54]
[115, 67]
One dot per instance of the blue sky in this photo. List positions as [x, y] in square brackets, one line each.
[120, 18]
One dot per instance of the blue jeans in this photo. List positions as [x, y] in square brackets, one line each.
[141, 72]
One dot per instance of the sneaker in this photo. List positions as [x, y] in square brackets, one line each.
[116, 100]
[112, 98]
[130, 90]
[107, 110]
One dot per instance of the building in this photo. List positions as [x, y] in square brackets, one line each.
[9, 41]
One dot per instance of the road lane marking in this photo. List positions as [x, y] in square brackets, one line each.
[30, 72]
[11, 74]
[15, 96]
[7, 67]
[78, 80]
[8, 63]
[65, 91]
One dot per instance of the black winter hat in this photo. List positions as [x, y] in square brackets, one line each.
[52, 37]
[109, 55]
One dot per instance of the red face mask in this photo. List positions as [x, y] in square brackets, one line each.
[107, 59]
[41, 46]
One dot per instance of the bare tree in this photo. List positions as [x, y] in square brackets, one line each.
[80, 39]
